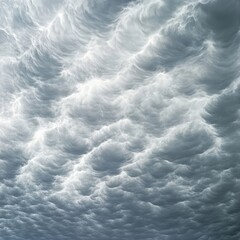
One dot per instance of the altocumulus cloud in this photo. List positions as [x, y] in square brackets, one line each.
[119, 120]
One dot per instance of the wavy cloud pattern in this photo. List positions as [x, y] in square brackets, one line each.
[119, 120]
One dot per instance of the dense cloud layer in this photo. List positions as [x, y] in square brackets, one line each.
[119, 120]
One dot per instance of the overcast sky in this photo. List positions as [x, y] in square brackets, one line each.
[119, 120]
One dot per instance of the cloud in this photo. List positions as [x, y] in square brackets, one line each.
[119, 120]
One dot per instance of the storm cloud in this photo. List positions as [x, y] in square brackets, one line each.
[119, 119]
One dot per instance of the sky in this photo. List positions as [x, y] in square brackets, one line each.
[119, 120]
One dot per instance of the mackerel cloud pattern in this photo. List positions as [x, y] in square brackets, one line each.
[119, 120]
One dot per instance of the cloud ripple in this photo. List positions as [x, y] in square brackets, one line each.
[119, 119]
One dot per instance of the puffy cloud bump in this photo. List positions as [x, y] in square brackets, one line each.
[119, 120]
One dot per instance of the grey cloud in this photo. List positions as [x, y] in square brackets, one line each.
[119, 120]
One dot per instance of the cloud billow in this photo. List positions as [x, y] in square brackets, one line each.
[119, 120]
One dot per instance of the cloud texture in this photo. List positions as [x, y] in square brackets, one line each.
[119, 120]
